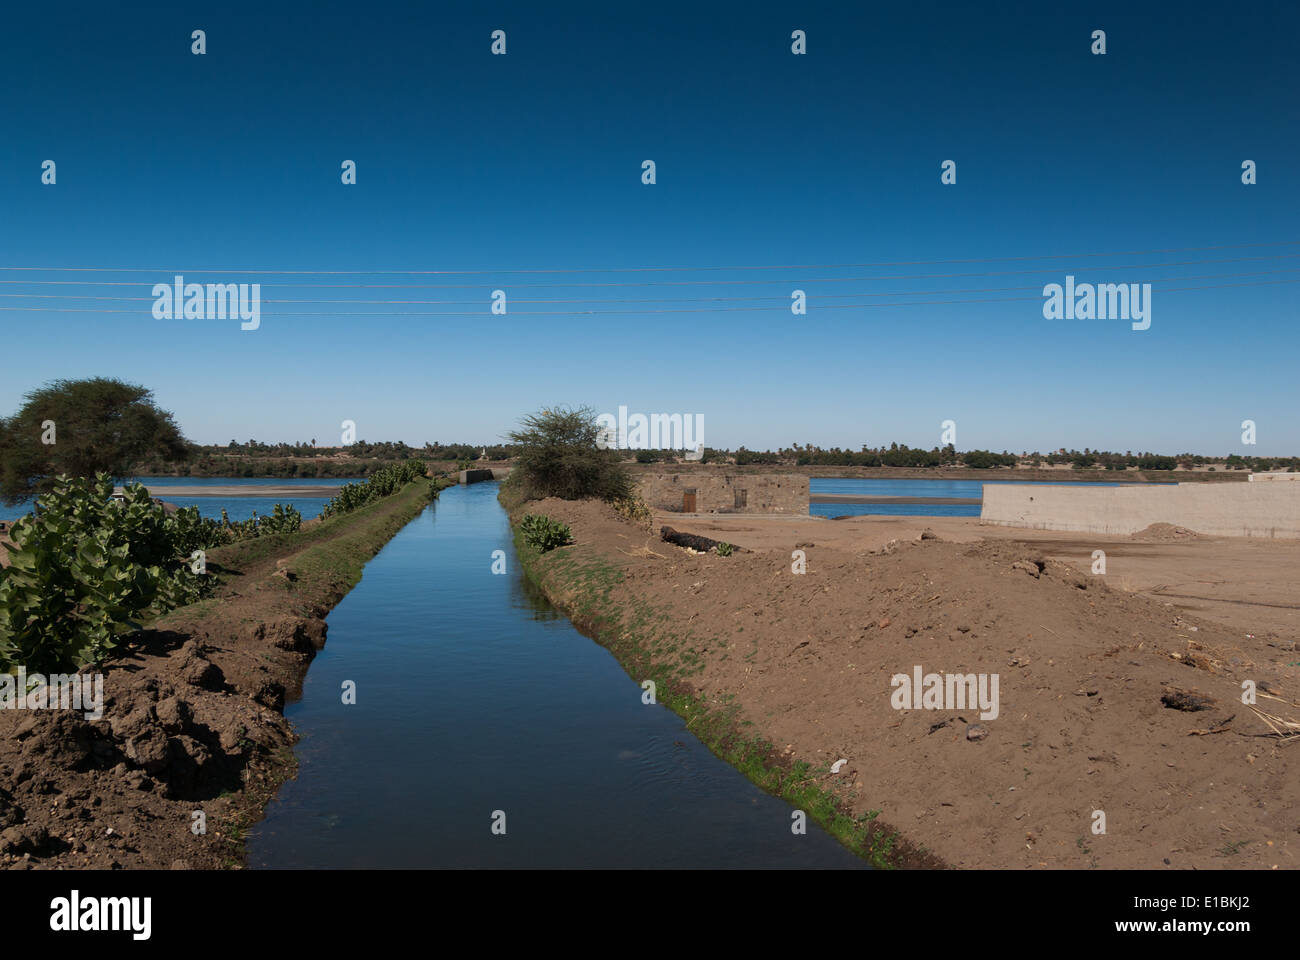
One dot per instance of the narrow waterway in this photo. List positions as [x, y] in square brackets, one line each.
[474, 695]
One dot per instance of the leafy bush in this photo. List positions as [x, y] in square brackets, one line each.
[724, 549]
[84, 566]
[200, 533]
[281, 520]
[544, 533]
[384, 483]
[557, 455]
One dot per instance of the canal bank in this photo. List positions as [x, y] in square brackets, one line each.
[192, 741]
[807, 637]
[488, 732]
[652, 645]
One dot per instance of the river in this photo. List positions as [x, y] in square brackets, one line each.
[912, 487]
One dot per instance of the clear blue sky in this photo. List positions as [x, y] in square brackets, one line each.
[466, 161]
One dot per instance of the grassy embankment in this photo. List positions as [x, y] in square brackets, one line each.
[650, 645]
[327, 556]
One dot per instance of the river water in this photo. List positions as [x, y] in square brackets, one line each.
[474, 695]
[237, 508]
[912, 487]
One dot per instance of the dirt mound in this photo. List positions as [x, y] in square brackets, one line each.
[111, 792]
[1166, 531]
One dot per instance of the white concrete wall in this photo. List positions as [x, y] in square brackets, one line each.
[1217, 509]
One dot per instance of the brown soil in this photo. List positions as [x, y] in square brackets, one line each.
[193, 717]
[1112, 698]
[1165, 531]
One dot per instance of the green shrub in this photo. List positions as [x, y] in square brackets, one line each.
[382, 483]
[84, 566]
[558, 454]
[200, 533]
[544, 533]
[724, 549]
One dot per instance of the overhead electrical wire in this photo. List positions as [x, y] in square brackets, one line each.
[596, 305]
[574, 313]
[1053, 271]
[677, 269]
[624, 300]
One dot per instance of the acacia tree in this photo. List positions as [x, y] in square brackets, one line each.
[82, 428]
[557, 455]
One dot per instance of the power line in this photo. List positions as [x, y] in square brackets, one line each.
[783, 298]
[797, 280]
[672, 269]
[575, 313]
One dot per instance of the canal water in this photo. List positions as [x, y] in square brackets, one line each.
[474, 695]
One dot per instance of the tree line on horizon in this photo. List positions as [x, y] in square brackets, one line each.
[81, 428]
[901, 455]
[211, 460]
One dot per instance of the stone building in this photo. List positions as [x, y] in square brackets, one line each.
[716, 492]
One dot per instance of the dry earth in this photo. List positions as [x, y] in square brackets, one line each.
[1085, 664]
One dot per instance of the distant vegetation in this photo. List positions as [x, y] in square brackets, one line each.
[304, 459]
[364, 459]
[901, 455]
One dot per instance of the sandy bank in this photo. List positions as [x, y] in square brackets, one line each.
[1085, 664]
[286, 492]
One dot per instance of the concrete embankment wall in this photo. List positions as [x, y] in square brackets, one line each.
[484, 473]
[1224, 510]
